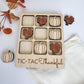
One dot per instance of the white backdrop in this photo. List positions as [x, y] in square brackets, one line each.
[9, 74]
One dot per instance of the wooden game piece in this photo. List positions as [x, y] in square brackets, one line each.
[7, 56]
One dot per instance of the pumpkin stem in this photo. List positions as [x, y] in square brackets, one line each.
[8, 11]
[9, 51]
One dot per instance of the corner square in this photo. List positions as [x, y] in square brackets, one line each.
[28, 20]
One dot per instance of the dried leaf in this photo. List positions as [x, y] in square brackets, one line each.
[13, 1]
[7, 15]
[12, 5]
[22, 1]
[7, 31]
[12, 16]
[9, 18]
[2, 14]
[21, 5]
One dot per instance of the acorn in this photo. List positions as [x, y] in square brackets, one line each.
[8, 56]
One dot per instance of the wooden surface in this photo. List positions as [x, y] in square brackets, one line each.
[40, 61]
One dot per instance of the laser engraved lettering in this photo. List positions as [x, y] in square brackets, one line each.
[21, 61]
[41, 61]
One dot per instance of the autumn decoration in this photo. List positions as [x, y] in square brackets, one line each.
[12, 4]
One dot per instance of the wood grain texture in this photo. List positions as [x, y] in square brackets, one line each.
[44, 60]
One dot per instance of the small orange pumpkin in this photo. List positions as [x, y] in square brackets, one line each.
[7, 31]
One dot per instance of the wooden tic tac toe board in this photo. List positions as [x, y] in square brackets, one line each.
[40, 41]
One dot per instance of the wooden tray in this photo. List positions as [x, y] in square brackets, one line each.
[35, 52]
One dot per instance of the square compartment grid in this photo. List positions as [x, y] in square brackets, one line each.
[35, 51]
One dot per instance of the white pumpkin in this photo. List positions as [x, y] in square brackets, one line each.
[8, 56]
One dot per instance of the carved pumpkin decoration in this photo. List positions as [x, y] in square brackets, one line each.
[8, 56]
